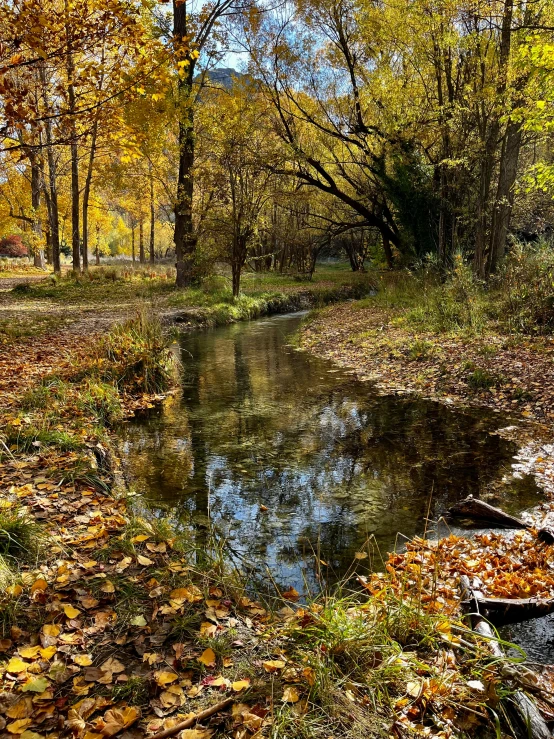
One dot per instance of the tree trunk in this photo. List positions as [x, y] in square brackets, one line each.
[75, 240]
[152, 216]
[141, 241]
[36, 225]
[86, 192]
[388, 251]
[51, 194]
[133, 244]
[184, 236]
[505, 194]
[97, 245]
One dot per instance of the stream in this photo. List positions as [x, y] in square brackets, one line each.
[296, 463]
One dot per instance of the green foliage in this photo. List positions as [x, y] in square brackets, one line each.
[100, 400]
[525, 290]
[20, 535]
[420, 349]
[482, 379]
[136, 356]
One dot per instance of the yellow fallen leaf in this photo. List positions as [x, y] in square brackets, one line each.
[207, 629]
[51, 630]
[272, 665]
[14, 590]
[164, 678]
[16, 665]
[29, 652]
[108, 587]
[39, 584]
[144, 561]
[22, 709]
[290, 695]
[19, 726]
[208, 657]
[70, 611]
[239, 685]
[139, 538]
[82, 659]
[48, 652]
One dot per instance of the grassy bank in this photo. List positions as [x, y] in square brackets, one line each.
[92, 302]
[114, 620]
[458, 341]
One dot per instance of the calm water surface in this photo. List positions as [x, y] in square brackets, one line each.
[261, 425]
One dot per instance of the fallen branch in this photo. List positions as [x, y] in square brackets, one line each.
[478, 510]
[503, 611]
[194, 719]
[527, 712]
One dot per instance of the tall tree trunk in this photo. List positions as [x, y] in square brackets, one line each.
[97, 244]
[152, 215]
[133, 244]
[141, 241]
[184, 236]
[86, 191]
[482, 224]
[36, 225]
[75, 230]
[51, 193]
[388, 251]
[501, 87]
[505, 193]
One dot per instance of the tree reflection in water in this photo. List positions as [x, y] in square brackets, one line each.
[260, 424]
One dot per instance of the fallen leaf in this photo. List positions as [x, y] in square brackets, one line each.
[290, 694]
[208, 657]
[70, 611]
[272, 665]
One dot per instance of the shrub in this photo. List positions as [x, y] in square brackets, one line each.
[136, 356]
[524, 290]
[20, 534]
[13, 246]
[482, 379]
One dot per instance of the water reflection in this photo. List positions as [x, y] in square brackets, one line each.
[260, 425]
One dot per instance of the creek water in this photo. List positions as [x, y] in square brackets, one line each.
[296, 462]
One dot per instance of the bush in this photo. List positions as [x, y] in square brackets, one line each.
[136, 356]
[20, 534]
[524, 290]
[13, 246]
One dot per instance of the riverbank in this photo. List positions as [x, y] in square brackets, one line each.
[91, 303]
[116, 622]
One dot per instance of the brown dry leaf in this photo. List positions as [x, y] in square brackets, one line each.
[207, 657]
[291, 594]
[196, 734]
[117, 719]
[112, 665]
